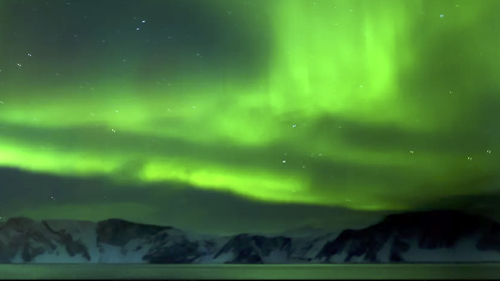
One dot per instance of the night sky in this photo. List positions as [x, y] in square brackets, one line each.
[239, 115]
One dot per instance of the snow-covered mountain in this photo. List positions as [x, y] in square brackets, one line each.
[434, 236]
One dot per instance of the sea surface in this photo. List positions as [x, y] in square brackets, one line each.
[308, 272]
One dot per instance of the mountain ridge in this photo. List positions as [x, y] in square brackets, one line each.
[420, 236]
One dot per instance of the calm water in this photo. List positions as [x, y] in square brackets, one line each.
[405, 271]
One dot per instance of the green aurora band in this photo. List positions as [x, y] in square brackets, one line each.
[284, 140]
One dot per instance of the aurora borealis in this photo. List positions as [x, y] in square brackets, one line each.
[367, 105]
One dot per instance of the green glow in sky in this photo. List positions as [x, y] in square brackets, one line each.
[343, 77]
